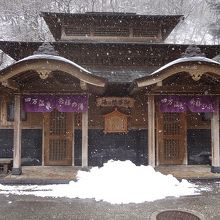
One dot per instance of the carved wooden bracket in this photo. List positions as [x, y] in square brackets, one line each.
[160, 83]
[196, 75]
[43, 73]
[83, 85]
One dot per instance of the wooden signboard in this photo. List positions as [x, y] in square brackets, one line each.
[116, 122]
[125, 102]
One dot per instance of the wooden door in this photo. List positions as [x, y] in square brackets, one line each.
[171, 138]
[58, 136]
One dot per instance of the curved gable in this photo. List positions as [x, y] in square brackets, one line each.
[195, 66]
[44, 64]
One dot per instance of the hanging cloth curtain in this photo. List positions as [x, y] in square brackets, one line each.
[63, 103]
[177, 103]
[202, 104]
[172, 104]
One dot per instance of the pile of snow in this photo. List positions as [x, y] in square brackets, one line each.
[116, 182]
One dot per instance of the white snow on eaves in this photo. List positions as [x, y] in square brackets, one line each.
[5, 60]
[52, 57]
[117, 182]
[186, 59]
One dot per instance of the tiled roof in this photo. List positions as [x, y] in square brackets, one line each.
[121, 74]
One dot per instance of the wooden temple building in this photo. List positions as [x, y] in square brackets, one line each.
[108, 87]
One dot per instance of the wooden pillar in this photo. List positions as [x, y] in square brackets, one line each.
[215, 141]
[151, 131]
[73, 141]
[16, 170]
[85, 139]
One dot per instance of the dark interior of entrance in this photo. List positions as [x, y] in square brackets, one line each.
[103, 147]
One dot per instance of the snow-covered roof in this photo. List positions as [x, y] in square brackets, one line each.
[183, 60]
[5, 60]
[52, 57]
[121, 74]
[157, 75]
[67, 66]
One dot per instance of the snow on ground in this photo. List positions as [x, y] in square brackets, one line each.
[116, 182]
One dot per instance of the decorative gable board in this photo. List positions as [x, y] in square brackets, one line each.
[116, 122]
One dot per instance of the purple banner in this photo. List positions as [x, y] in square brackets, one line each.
[47, 103]
[72, 103]
[172, 104]
[182, 103]
[202, 104]
[38, 103]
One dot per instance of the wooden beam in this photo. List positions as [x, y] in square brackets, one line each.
[10, 84]
[45, 139]
[151, 131]
[212, 77]
[85, 139]
[215, 141]
[17, 137]
[185, 89]
[73, 140]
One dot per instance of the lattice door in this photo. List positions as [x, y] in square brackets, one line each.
[171, 134]
[58, 135]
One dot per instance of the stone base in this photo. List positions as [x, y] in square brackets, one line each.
[16, 171]
[215, 169]
[86, 168]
